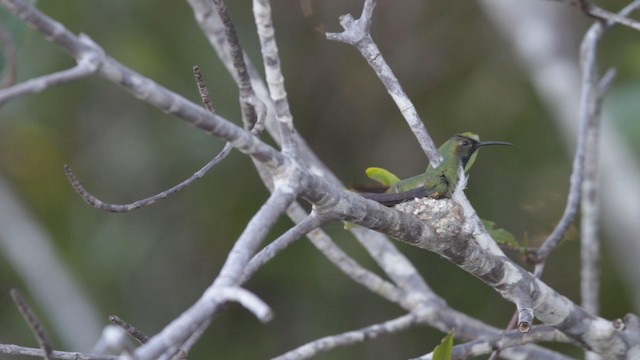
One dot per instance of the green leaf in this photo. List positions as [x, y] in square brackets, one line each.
[501, 236]
[444, 350]
[383, 176]
[348, 225]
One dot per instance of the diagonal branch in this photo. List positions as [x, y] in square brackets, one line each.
[82, 47]
[34, 324]
[310, 223]
[356, 33]
[602, 14]
[328, 343]
[40, 84]
[247, 96]
[180, 330]
[131, 330]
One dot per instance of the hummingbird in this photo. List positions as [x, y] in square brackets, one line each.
[459, 152]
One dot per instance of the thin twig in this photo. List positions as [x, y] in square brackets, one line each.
[509, 339]
[34, 324]
[599, 13]
[328, 343]
[203, 91]
[62, 355]
[82, 48]
[247, 94]
[37, 85]
[10, 70]
[311, 222]
[121, 208]
[131, 330]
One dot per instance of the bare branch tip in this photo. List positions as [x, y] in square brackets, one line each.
[524, 327]
[203, 90]
[131, 330]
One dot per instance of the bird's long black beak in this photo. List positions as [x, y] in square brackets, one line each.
[485, 143]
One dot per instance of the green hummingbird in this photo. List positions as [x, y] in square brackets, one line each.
[436, 183]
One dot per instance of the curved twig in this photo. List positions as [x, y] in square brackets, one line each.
[122, 208]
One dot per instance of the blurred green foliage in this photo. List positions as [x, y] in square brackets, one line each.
[149, 265]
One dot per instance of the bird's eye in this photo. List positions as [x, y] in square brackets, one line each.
[465, 143]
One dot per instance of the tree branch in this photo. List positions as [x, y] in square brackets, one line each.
[589, 80]
[273, 72]
[131, 330]
[356, 33]
[504, 341]
[446, 227]
[174, 335]
[62, 355]
[40, 84]
[328, 343]
[248, 98]
[307, 225]
[34, 324]
[143, 88]
[602, 14]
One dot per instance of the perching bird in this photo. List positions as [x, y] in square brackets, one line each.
[458, 152]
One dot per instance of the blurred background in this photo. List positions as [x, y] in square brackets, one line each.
[455, 61]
